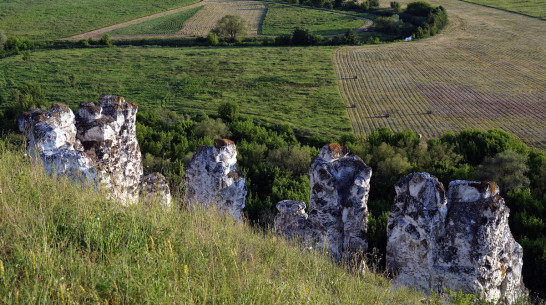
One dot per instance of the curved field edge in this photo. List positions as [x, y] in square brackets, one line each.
[41, 20]
[282, 19]
[484, 71]
[169, 24]
[293, 86]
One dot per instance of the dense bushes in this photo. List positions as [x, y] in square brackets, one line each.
[419, 8]
[435, 22]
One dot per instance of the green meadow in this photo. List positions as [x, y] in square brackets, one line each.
[282, 19]
[295, 86]
[50, 19]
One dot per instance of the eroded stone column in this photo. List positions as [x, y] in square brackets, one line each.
[212, 178]
[337, 206]
[456, 241]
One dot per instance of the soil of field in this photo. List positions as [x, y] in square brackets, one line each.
[485, 71]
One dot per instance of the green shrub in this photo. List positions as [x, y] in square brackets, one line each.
[212, 39]
[396, 6]
[350, 38]
[419, 8]
[229, 111]
[105, 40]
[302, 37]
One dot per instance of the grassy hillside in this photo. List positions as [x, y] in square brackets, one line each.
[169, 24]
[282, 19]
[47, 19]
[294, 86]
[536, 8]
[64, 244]
[484, 71]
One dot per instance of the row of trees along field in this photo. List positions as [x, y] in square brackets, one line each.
[275, 162]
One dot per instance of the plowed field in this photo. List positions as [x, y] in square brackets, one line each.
[487, 70]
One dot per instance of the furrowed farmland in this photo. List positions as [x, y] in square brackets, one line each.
[479, 73]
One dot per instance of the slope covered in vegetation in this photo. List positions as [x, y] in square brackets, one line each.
[60, 243]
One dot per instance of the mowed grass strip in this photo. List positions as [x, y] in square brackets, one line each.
[282, 19]
[485, 71]
[50, 19]
[535, 8]
[169, 24]
[295, 86]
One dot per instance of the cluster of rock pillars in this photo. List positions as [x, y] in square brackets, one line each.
[457, 239]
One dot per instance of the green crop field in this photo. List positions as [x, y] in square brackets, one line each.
[169, 24]
[48, 19]
[295, 86]
[485, 71]
[282, 19]
[536, 8]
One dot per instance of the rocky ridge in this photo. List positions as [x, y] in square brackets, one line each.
[460, 240]
[98, 146]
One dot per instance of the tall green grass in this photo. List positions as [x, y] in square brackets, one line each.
[535, 8]
[63, 244]
[295, 86]
[169, 24]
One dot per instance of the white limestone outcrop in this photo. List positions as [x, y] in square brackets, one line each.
[212, 178]
[98, 146]
[458, 241]
[338, 213]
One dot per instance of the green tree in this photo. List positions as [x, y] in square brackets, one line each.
[230, 26]
[351, 38]
[302, 37]
[105, 40]
[213, 129]
[229, 111]
[29, 96]
[507, 169]
[212, 39]
[396, 6]
[293, 158]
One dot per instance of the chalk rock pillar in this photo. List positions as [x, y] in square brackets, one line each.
[212, 178]
[51, 136]
[457, 241]
[107, 132]
[337, 206]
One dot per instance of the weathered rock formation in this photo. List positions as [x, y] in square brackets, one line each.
[154, 188]
[97, 146]
[457, 241]
[338, 213]
[291, 220]
[212, 178]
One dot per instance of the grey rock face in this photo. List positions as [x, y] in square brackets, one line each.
[337, 206]
[51, 136]
[457, 241]
[107, 133]
[98, 146]
[212, 178]
[154, 188]
[291, 220]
